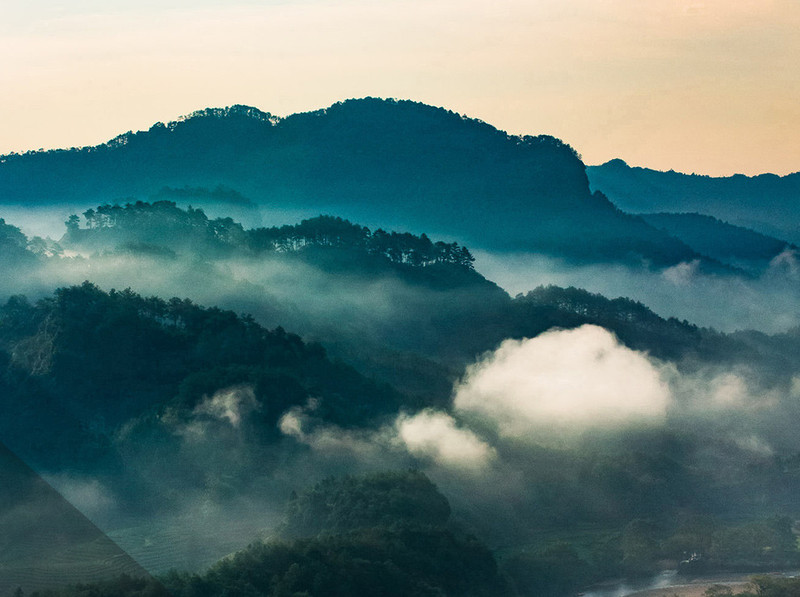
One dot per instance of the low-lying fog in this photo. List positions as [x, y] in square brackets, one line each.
[573, 393]
[769, 303]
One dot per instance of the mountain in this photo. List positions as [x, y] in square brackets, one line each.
[381, 534]
[737, 246]
[97, 360]
[400, 307]
[431, 301]
[89, 377]
[198, 419]
[767, 203]
[400, 163]
[46, 542]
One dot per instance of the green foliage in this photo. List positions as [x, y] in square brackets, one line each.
[636, 325]
[770, 586]
[147, 227]
[158, 224]
[13, 247]
[121, 356]
[404, 561]
[640, 548]
[693, 535]
[756, 545]
[381, 534]
[761, 586]
[407, 554]
[328, 231]
[11, 237]
[379, 500]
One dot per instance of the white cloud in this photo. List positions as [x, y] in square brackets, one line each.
[230, 404]
[682, 274]
[430, 435]
[755, 445]
[291, 423]
[436, 436]
[785, 264]
[717, 389]
[333, 442]
[728, 390]
[566, 379]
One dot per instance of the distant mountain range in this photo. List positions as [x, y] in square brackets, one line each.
[734, 245]
[397, 163]
[767, 203]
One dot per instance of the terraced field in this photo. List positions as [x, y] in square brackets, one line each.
[46, 542]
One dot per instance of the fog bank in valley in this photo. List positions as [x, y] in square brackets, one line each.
[770, 302]
[521, 429]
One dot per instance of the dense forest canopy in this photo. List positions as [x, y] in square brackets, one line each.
[160, 371]
[106, 358]
[165, 223]
[389, 534]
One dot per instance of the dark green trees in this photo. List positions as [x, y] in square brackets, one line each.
[384, 499]
[383, 534]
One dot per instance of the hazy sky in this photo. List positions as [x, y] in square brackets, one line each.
[710, 87]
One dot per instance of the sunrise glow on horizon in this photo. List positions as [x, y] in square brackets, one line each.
[709, 87]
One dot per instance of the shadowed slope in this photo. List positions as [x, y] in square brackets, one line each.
[45, 542]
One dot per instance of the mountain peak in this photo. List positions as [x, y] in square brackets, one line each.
[616, 163]
[234, 111]
[402, 163]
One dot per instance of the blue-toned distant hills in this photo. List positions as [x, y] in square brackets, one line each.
[735, 245]
[767, 203]
[393, 163]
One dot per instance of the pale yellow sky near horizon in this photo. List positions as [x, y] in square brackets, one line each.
[710, 87]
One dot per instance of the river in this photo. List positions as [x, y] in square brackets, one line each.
[669, 583]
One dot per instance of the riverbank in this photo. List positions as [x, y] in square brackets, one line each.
[692, 589]
[669, 584]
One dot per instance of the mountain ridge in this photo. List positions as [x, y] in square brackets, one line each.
[738, 246]
[403, 163]
[767, 203]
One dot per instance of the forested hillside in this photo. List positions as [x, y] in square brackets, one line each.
[106, 358]
[581, 437]
[400, 163]
[163, 227]
[386, 534]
